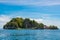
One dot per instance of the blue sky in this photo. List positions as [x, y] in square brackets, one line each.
[45, 11]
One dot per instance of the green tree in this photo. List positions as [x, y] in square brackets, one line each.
[19, 21]
[41, 25]
[34, 24]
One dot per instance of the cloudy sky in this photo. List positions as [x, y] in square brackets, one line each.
[45, 11]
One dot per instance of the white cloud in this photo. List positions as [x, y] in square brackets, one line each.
[32, 2]
[37, 20]
[3, 20]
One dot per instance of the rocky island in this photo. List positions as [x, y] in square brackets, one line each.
[20, 23]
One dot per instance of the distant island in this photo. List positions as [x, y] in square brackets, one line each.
[20, 23]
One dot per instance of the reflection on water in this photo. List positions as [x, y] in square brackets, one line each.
[29, 34]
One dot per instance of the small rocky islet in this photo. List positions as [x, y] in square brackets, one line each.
[20, 23]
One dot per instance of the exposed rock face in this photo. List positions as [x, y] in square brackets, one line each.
[11, 25]
[45, 27]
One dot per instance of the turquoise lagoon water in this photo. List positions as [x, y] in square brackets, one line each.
[29, 34]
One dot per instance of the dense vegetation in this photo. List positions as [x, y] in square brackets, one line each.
[20, 23]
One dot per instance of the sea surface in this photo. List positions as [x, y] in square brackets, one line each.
[27, 34]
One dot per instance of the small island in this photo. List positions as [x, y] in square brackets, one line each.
[20, 23]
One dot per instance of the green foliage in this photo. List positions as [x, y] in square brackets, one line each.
[19, 21]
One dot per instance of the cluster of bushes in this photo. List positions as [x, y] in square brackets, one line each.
[20, 23]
